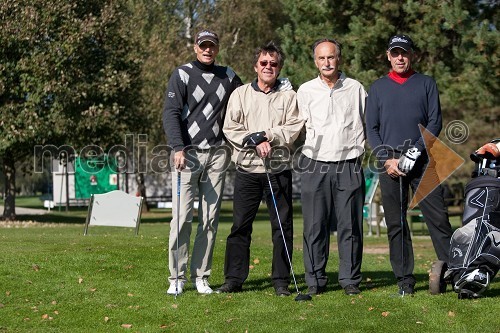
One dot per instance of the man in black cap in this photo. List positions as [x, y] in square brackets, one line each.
[193, 115]
[397, 104]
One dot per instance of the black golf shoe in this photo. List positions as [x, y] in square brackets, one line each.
[316, 290]
[351, 289]
[229, 288]
[282, 291]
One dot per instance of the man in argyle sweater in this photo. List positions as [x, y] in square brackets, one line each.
[193, 113]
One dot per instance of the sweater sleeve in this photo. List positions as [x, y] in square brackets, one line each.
[289, 130]
[435, 121]
[175, 100]
[372, 116]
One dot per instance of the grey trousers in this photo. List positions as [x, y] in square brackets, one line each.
[205, 176]
[332, 193]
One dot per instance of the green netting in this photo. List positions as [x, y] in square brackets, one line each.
[94, 176]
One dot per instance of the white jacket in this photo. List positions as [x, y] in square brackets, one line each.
[334, 119]
[250, 111]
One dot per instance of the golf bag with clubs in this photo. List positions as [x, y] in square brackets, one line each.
[475, 247]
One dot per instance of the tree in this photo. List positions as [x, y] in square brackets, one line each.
[69, 74]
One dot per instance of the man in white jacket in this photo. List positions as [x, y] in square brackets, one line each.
[261, 124]
[332, 178]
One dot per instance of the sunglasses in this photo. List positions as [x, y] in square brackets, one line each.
[264, 63]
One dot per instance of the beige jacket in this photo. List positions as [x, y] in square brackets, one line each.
[334, 119]
[276, 113]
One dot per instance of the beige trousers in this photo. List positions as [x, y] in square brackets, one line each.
[203, 180]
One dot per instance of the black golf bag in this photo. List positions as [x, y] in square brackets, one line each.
[475, 247]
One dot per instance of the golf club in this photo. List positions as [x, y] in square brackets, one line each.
[402, 228]
[177, 239]
[299, 297]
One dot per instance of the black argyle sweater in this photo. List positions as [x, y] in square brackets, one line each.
[195, 105]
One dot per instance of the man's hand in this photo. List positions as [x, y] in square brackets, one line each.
[263, 149]
[407, 161]
[179, 160]
[489, 149]
[391, 167]
[255, 139]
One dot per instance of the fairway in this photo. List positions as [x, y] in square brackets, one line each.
[54, 279]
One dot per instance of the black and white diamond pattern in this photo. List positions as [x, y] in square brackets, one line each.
[193, 129]
[184, 76]
[198, 94]
[208, 77]
[221, 92]
[208, 110]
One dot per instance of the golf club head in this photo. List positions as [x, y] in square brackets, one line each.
[303, 297]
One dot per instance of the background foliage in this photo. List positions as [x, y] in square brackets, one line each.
[90, 72]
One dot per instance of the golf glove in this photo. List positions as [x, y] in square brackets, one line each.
[255, 139]
[285, 84]
[407, 161]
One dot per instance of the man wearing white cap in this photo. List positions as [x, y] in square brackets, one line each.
[193, 114]
[397, 104]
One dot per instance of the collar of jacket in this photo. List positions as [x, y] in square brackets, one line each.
[255, 86]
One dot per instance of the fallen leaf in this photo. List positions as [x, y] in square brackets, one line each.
[353, 301]
[7, 293]
[385, 313]
[106, 319]
[368, 280]
[53, 302]
[35, 267]
[45, 316]
[92, 289]
[251, 267]
[80, 280]
[130, 294]
[451, 314]
[419, 322]
[127, 325]
[1, 305]
[371, 308]
[256, 261]
[128, 267]
[56, 312]
[26, 319]
[174, 306]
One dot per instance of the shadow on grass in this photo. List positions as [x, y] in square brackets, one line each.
[378, 279]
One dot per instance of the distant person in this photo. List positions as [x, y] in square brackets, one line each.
[195, 105]
[333, 184]
[397, 104]
[262, 121]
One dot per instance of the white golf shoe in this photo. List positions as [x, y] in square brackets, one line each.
[171, 290]
[203, 286]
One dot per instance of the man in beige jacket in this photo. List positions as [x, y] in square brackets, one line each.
[261, 124]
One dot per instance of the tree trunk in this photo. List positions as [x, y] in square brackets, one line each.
[9, 171]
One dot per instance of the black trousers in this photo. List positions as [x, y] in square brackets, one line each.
[332, 193]
[435, 215]
[249, 189]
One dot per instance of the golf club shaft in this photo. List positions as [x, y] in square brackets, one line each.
[281, 228]
[402, 226]
[177, 238]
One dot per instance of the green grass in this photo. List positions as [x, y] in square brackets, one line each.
[54, 279]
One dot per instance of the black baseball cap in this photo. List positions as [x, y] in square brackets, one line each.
[207, 36]
[402, 41]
